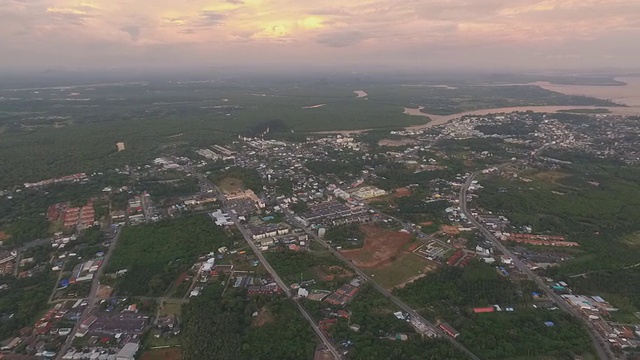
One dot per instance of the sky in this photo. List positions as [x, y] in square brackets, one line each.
[387, 34]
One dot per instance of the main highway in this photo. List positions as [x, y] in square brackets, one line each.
[386, 293]
[208, 185]
[91, 300]
[599, 343]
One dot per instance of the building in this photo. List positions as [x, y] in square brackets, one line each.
[368, 192]
[221, 219]
[120, 146]
[447, 329]
[128, 351]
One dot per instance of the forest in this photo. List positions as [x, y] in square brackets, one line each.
[599, 206]
[23, 301]
[451, 292]
[524, 334]
[374, 313]
[165, 189]
[217, 326]
[154, 254]
[451, 288]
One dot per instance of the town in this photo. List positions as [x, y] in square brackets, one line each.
[336, 226]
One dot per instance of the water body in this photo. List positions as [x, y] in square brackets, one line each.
[628, 94]
[443, 119]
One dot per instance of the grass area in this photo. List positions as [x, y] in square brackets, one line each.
[230, 184]
[404, 268]
[169, 308]
[632, 239]
[154, 254]
[552, 176]
[152, 342]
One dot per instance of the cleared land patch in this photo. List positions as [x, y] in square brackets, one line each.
[230, 184]
[162, 354]
[406, 268]
[550, 176]
[402, 192]
[4, 236]
[381, 246]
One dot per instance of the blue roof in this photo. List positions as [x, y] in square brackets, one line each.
[549, 323]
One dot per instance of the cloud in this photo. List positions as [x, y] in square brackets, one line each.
[210, 18]
[341, 38]
[132, 30]
[490, 31]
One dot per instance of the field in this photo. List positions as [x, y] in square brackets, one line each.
[155, 254]
[169, 308]
[380, 247]
[632, 239]
[230, 184]
[551, 176]
[162, 354]
[406, 268]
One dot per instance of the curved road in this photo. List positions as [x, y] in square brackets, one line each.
[599, 344]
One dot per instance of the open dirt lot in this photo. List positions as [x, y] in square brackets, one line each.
[162, 354]
[230, 184]
[398, 142]
[381, 246]
[4, 236]
[401, 192]
[264, 317]
[104, 291]
[449, 230]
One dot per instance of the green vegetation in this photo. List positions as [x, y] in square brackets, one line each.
[177, 188]
[475, 285]
[291, 265]
[25, 298]
[299, 208]
[524, 334]
[595, 203]
[155, 254]
[394, 175]
[45, 135]
[374, 313]
[241, 177]
[238, 335]
[402, 269]
[349, 236]
[450, 293]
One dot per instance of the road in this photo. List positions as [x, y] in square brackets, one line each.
[91, 299]
[406, 308]
[205, 183]
[321, 335]
[599, 343]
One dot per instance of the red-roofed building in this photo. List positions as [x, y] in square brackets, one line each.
[483, 310]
